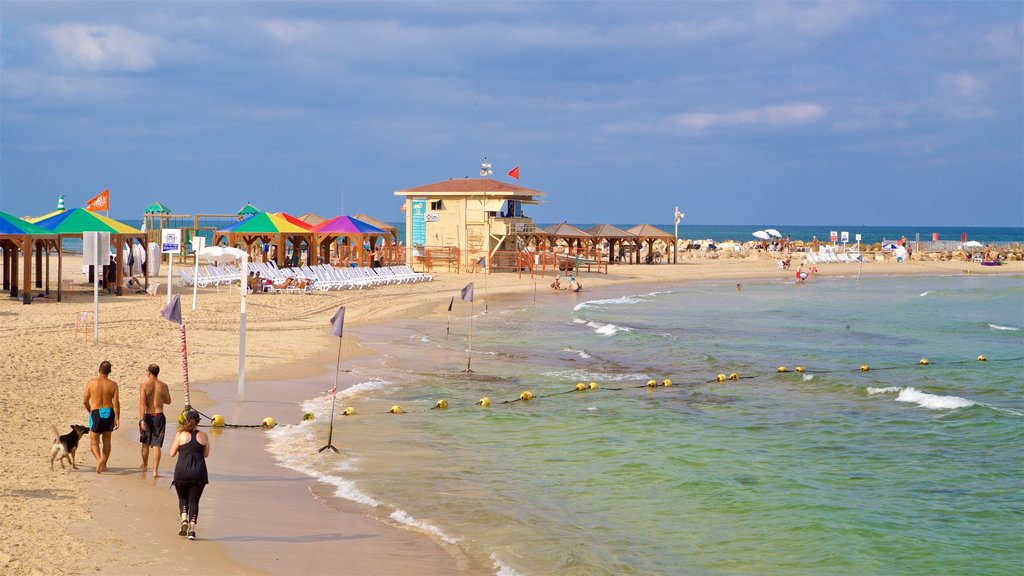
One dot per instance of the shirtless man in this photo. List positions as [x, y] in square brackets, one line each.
[153, 394]
[104, 405]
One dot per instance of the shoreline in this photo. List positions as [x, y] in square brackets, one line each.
[288, 340]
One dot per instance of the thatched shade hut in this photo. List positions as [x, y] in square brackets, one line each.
[573, 237]
[617, 239]
[645, 233]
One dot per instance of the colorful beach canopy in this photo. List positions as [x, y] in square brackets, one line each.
[248, 209]
[81, 220]
[296, 221]
[12, 225]
[347, 225]
[264, 223]
[157, 208]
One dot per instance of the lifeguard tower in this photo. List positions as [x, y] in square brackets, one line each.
[466, 220]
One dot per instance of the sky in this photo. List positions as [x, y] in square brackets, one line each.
[857, 113]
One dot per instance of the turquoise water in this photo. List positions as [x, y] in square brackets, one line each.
[903, 469]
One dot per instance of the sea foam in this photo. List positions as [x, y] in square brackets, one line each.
[402, 517]
[923, 399]
[998, 327]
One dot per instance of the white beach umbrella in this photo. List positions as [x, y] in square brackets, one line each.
[219, 254]
[761, 234]
[973, 244]
[773, 232]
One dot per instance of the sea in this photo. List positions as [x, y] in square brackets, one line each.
[950, 237]
[887, 446]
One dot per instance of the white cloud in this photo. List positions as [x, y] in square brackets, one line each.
[785, 115]
[102, 48]
[963, 83]
[812, 19]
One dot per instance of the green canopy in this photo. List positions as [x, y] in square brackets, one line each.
[264, 223]
[248, 209]
[157, 208]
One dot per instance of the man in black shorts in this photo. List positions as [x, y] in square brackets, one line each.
[153, 394]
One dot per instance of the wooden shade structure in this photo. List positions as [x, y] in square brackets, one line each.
[614, 236]
[275, 229]
[355, 231]
[312, 219]
[391, 230]
[571, 235]
[74, 223]
[18, 236]
[645, 233]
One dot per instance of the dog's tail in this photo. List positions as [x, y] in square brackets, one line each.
[54, 435]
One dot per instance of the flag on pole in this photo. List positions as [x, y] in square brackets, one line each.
[467, 293]
[172, 311]
[100, 202]
[514, 172]
[338, 322]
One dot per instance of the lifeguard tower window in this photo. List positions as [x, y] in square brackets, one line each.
[436, 205]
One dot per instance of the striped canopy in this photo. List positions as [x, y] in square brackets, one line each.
[296, 221]
[81, 220]
[347, 225]
[264, 223]
[16, 226]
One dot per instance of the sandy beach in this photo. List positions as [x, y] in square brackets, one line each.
[256, 517]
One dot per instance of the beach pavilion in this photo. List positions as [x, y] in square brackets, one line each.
[76, 222]
[351, 230]
[575, 239]
[17, 235]
[615, 236]
[391, 230]
[645, 233]
[274, 229]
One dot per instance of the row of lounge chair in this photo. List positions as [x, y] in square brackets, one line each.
[304, 279]
[829, 256]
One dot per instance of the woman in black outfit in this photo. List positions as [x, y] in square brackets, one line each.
[190, 476]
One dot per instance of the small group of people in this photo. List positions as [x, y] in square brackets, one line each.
[574, 285]
[191, 446]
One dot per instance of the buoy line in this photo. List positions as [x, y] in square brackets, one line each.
[217, 421]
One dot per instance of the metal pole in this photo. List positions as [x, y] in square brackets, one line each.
[170, 268]
[243, 288]
[195, 284]
[96, 290]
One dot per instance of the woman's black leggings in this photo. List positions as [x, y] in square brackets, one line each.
[188, 500]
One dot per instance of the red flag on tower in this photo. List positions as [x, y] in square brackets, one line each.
[100, 202]
[514, 172]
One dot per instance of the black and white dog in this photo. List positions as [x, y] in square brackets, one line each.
[65, 445]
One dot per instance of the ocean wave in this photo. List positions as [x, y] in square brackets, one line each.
[401, 517]
[362, 387]
[607, 329]
[502, 569]
[630, 299]
[925, 293]
[998, 327]
[599, 377]
[581, 353]
[923, 399]
[291, 445]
